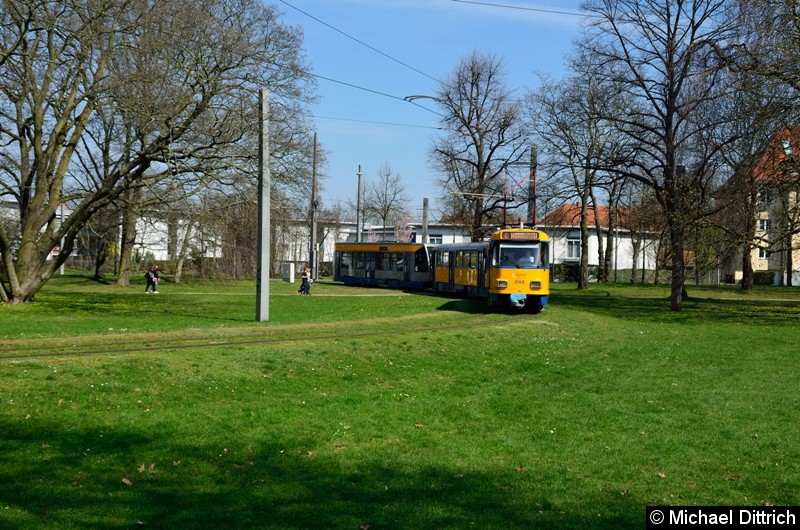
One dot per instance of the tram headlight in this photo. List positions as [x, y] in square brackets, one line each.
[502, 284]
[536, 285]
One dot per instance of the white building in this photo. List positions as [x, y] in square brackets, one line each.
[632, 251]
[158, 241]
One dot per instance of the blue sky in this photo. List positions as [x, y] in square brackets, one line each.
[429, 37]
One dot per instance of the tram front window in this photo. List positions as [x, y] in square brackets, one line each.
[519, 256]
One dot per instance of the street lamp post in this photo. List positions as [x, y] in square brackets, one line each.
[420, 96]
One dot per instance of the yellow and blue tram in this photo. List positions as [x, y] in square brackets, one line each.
[510, 269]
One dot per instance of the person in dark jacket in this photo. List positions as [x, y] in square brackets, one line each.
[305, 287]
[152, 280]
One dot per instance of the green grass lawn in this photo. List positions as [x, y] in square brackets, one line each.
[356, 408]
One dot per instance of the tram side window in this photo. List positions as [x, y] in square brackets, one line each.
[443, 259]
[384, 261]
[345, 260]
[397, 261]
[358, 259]
[467, 260]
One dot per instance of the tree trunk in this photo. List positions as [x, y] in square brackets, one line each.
[747, 268]
[583, 273]
[602, 269]
[183, 253]
[31, 272]
[128, 236]
[100, 259]
[636, 245]
[678, 290]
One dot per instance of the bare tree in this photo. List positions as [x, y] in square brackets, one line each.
[453, 210]
[764, 59]
[483, 136]
[757, 111]
[402, 230]
[135, 82]
[768, 43]
[642, 216]
[573, 129]
[660, 53]
[778, 173]
[385, 199]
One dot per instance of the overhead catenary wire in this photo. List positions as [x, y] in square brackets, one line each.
[378, 122]
[351, 85]
[377, 92]
[406, 65]
[521, 8]
[376, 50]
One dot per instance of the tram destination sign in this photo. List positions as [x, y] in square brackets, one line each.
[529, 236]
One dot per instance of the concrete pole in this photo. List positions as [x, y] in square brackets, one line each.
[262, 281]
[425, 221]
[61, 269]
[358, 207]
[532, 189]
[312, 254]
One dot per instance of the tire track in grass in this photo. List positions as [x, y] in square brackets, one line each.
[131, 345]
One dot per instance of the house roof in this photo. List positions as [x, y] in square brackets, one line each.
[783, 147]
[570, 215]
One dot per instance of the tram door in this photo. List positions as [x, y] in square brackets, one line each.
[451, 278]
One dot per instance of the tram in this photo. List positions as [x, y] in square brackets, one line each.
[511, 269]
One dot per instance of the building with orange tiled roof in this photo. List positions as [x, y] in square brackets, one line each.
[632, 251]
[776, 253]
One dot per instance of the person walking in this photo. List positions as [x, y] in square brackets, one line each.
[152, 280]
[305, 286]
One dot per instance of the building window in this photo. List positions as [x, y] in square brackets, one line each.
[763, 253]
[435, 239]
[764, 224]
[573, 249]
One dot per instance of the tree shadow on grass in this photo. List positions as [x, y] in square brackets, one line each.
[696, 310]
[141, 306]
[62, 478]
